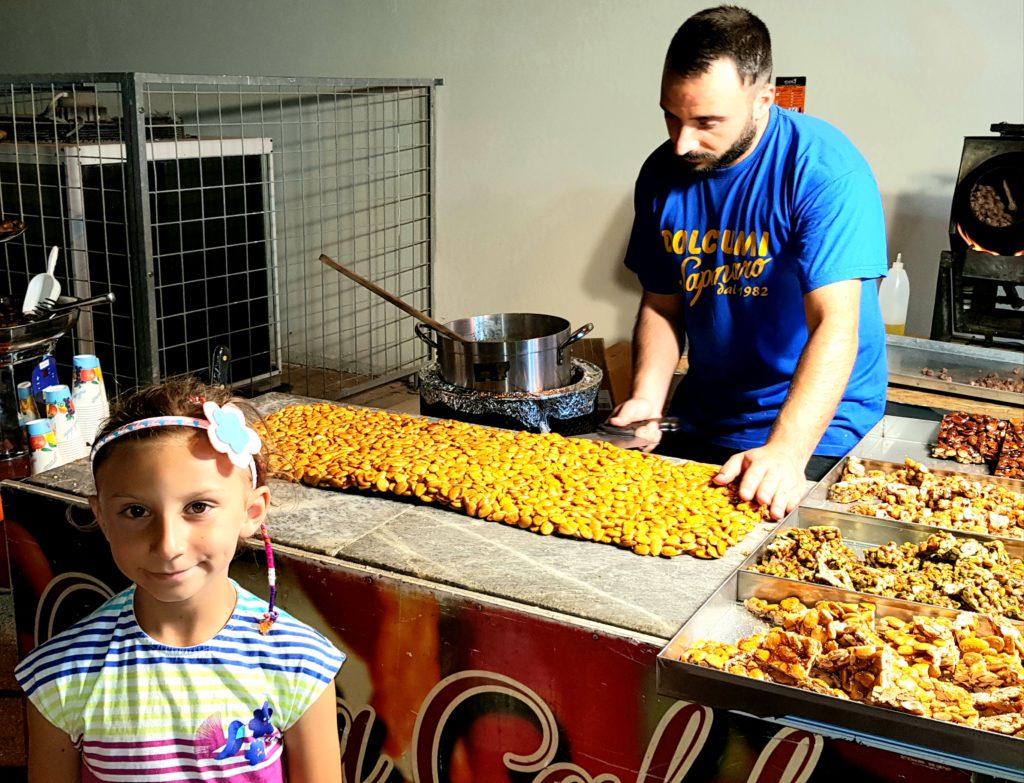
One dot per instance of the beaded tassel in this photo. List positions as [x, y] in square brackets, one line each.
[269, 616]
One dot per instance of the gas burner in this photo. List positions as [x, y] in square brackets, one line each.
[568, 410]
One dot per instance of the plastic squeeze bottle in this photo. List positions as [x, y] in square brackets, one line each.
[894, 296]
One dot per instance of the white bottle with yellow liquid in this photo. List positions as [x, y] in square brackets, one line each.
[894, 296]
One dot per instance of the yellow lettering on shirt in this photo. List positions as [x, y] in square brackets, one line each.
[749, 249]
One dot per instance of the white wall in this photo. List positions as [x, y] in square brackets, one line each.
[550, 106]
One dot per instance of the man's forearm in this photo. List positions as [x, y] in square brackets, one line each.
[816, 390]
[656, 351]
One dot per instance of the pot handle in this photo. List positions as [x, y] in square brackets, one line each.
[421, 332]
[577, 335]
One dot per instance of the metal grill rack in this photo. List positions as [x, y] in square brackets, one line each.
[204, 203]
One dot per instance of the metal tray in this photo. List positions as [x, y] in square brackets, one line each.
[860, 533]
[723, 618]
[895, 438]
[907, 356]
[818, 496]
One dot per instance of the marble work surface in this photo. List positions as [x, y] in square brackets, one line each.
[596, 582]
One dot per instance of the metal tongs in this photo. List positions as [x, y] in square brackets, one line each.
[665, 424]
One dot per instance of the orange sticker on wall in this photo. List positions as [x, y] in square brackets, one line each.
[790, 92]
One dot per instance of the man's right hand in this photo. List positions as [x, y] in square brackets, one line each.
[638, 409]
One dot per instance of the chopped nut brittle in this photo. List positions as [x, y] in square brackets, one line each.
[1001, 701]
[965, 670]
[712, 654]
[860, 669]
[945, 570]
[1010, 724]
[853, 489]
[950, 702]
[791, 654]
[915, 494]
[926, 641]
[985, 671]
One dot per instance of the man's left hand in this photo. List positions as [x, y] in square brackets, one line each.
[770, 476]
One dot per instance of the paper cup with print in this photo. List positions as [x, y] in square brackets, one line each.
[89, 394]
[87, 385]
[60, 410]
[90, 418]
[27, 410]
[42, 445]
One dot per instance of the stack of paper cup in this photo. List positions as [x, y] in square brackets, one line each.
[26, 404]
[89, 395]
[42, 445]
[60, 410]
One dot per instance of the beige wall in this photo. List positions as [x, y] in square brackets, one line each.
[550, 106]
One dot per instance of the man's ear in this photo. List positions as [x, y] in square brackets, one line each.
[763, 100]
[256, 511]
[94, 504]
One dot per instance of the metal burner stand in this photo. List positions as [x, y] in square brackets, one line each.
[568, 410]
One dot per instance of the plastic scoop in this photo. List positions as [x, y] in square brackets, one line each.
[44, 288]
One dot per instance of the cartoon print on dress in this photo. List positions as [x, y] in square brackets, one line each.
[235, 738]
[257, 752]
[260, 723]
[212, 740]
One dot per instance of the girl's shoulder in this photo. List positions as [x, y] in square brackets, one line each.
[288, 640]
[77, 646]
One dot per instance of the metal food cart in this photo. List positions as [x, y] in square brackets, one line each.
[477, 652]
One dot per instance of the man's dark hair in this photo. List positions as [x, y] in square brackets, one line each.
[723, 32]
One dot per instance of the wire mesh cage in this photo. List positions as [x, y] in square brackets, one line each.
[203, 203]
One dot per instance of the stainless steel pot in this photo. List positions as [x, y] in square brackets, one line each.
[507, 352]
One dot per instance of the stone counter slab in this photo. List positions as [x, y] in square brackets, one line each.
[597, 582]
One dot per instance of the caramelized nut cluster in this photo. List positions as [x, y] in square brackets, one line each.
[973, 438]
[969, 438]
[915, 494]
[546, 484]
[1011, 455]
[965, 670]
[945, 570]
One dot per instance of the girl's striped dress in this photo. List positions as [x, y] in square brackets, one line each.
[143, 711]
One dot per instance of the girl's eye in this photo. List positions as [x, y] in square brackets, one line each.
[134, 512]
[197, 508]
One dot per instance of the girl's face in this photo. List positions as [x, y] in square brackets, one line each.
[173, 510]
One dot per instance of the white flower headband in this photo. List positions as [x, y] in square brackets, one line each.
[225, 426]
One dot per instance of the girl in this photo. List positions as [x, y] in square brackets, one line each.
[185, 675]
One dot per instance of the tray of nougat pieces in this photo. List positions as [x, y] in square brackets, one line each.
[992, 375]
[876, 557]
[915, 494]
[979, 439]
[942, 683]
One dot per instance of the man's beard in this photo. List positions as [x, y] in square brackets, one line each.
[704, 163]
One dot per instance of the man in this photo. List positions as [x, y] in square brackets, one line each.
[758, 236]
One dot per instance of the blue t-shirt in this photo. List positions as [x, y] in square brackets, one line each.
[743, 245]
